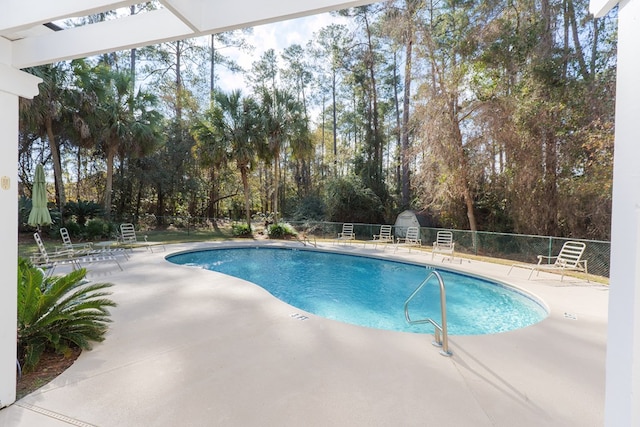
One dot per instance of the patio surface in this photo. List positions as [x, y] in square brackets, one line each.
[190, 347]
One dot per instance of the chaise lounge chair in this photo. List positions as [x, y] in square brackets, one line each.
[411, 238]
[65, 257]
[87, 248]
[569, 259]
[444, 244]
[384, 235]
[129, 238]
[347, 233]
[68, 245]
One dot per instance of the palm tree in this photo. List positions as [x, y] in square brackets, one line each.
[302, 151]
[58, 312]
[119, 124]
[210, 149]
[236, 118]
[281, 112]
[43, 116]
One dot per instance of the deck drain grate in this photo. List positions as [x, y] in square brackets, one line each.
[570, 316]
[54, 415]
[299, 316]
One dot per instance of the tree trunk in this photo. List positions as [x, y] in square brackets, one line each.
[550, 184]
[398, 132]
[179, 83]
[212, 78]
[547, 136]
[213, 195]
[57, 165]
[335, 125]
[377, 137]
[461, 162]
[576, 41]
[276, 179]
[111, 153]
[245, 187]
[404, 152]
[136, 214]
[160, 205]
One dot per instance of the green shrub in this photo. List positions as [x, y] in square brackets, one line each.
[281, 231]
[58, 312]
[241, 230]
[74, 229]
[56, 218]
[83, 210]
[97, 229]
[24, 209]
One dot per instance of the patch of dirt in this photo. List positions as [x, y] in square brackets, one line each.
[50, 366]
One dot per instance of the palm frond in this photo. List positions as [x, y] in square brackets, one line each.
[59, 312]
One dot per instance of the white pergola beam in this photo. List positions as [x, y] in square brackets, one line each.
[208, 17]
[599, 8]
[6, 47]
[181, 19]
[18, 15]
[18, 82]
[108, 36]
[189, 11]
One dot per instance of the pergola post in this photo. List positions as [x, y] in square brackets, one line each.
[9, 237]
[13, 84]
[622, 401]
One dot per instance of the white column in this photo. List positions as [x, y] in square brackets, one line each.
[13, 83]
[9, 247]
[622, 401]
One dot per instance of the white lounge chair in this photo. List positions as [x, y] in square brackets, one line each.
[87, 248]
[67, 244]
[444, 244]
[129, 238]
[384, 235]
[569, 259]
[411, 238]
[65, 257]
[347, 233]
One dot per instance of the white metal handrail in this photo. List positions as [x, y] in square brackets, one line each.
[441, 338]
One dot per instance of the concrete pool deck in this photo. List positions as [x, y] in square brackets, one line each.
[191, 347]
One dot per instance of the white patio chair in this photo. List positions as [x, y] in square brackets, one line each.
[383, 236]
[411, 238]
[67, 244]
[569, 259]
[81, 249]
[65, 257]
[444, 244]
[129, 238]
[347, 233]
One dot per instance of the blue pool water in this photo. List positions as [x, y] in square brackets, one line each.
[371, 292]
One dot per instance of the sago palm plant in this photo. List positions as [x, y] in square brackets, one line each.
[58, 312]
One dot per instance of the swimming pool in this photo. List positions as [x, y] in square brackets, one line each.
[371, 292]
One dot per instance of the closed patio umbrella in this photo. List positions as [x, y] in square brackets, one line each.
[39, 214]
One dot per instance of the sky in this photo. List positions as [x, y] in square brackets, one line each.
[277, 36]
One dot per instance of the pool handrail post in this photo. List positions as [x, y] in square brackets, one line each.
[439, 341]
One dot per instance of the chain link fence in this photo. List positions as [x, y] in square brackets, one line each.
[509, 247]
